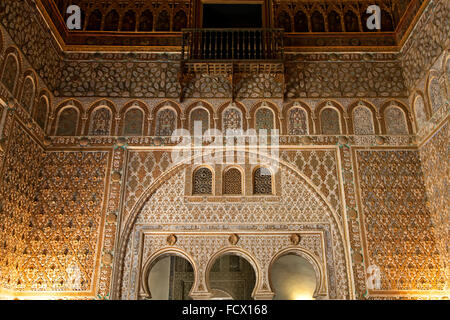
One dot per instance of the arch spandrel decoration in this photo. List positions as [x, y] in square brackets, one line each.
[312, 207]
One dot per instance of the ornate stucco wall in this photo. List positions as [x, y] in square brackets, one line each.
[102, 207]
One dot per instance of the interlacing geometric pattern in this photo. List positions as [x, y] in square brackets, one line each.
[435, 165]
[19, 195]
[363, 123]
[399, 238]
[202, 181]
[134, 119]
[232, 181]
[299, 205]
[165, 122]
[262, 181]
[69, 218]
[100, 122]
[142, 169]
[298, 122]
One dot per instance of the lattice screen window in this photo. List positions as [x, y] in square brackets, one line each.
[262, 181]
[232, 181]
[202, 181]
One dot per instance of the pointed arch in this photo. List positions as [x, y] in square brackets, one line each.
[94, 22]
[41, 111]
[68, 121]
[146, 21]
[129, 21]
[163, 21]
[222, 114]
[334, 22]
[435, 92]
[64, 105]
[373, 117]
[11, 69]
[292, 122]
[284, 21]
[301, 22]
[101, 118]
[405, 114]
[191, 115]
[317, 22]
[138, 130]
[264, 105]
[332, 105]
[163, 121]
[29, 91]
[111, 22]
[180, 21]
[420, 110]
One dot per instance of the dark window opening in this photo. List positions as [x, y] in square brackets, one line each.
[232, 16]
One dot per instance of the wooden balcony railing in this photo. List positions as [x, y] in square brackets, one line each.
[232, 44]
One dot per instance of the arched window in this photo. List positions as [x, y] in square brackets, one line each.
[199, 115]
[298, 121]
[111, 21]
[100, 124]
[129, 21]
[284, 21]
[232, 181]
[436, 95]
[362, 121]
[179, 21]
[227, 271]
[330, 121]
[301, 22]
[334, 22]
[67, 122]
[317, 22]
[165, 122]
[10, 73]
[170, 278]
[419, 111]
[232, 119]
[293, 278]
[351, 22]
[94, 21]
[202, 182]
[262, 181]
[134, 119]
[41, 112]
[28, 94]
[146, 21]
[395, 121]
[264, 119]
[163, 21]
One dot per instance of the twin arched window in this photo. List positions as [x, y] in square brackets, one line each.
[202, 181]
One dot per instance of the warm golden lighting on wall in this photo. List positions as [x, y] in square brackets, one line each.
[302, 296]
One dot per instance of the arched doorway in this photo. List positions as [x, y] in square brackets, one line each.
[293, 278]
[170, 277]
[231, 277]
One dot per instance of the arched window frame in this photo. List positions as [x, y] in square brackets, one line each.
[212, 181]
[241, 171]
